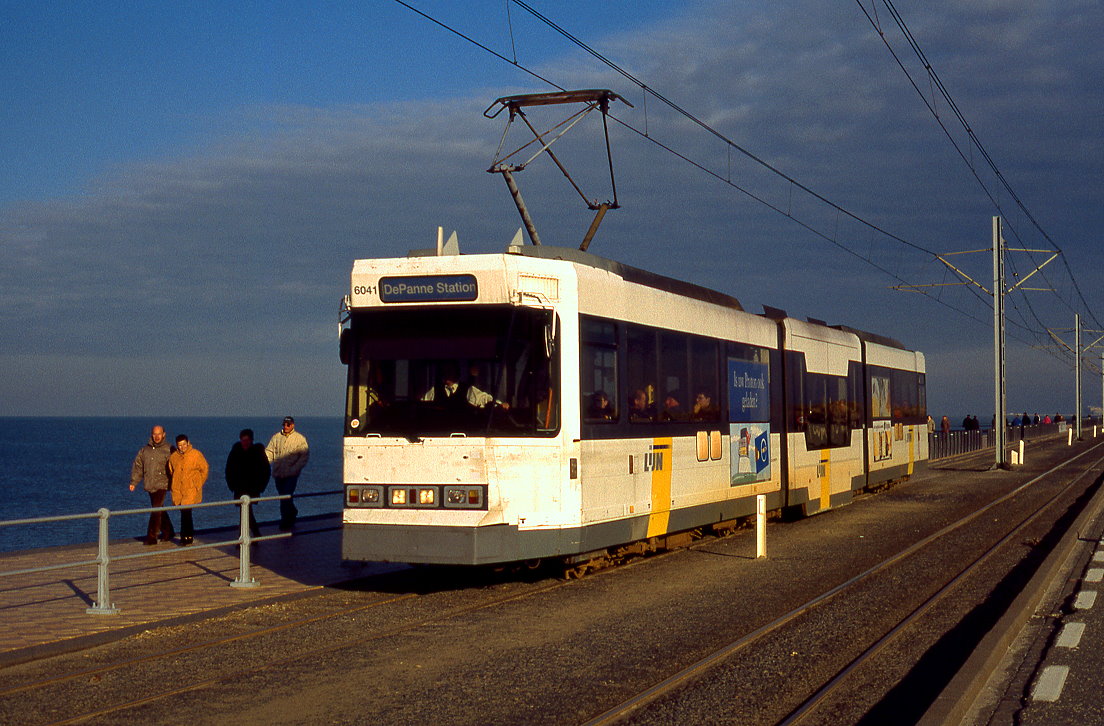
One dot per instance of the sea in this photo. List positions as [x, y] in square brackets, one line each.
[59, 466]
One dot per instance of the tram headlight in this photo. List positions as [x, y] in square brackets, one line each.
[427, 496]
[398, 496]
[370, 496]
[464, 497]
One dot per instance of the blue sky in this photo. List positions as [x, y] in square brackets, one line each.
[187, 184]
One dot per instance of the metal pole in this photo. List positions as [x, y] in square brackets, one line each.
[760, 526]
[244, 578]
[1000, 420]
[103, 604]
[1077, 369]
[522, 209]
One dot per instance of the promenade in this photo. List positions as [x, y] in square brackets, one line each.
[45, 613]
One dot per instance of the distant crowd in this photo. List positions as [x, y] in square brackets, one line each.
[971, 423]
[182, 470]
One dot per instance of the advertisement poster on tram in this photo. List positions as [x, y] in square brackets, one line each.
[748, 391]
[749, 412]
[882, 445]
[750, 453]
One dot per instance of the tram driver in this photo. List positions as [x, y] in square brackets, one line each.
[452, 391]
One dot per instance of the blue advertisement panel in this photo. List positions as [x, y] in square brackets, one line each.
[748, 391]
[750, 453]
[429, 288]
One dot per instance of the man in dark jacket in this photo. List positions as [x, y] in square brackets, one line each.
[151, 469]
[247, 472]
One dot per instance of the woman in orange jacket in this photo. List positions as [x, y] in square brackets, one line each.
[188, 472]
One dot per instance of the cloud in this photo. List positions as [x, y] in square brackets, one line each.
[233, 256]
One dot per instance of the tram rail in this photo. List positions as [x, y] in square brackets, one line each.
[633, 709]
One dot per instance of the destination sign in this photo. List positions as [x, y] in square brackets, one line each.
[433, 288]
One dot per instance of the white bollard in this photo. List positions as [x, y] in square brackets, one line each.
[1021, 452]
[1069, 437]
[760, 526]
[1015, 455]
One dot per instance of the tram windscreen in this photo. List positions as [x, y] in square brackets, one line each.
[478, 371]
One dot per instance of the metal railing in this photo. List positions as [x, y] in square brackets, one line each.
[102, 605]
[952, 443]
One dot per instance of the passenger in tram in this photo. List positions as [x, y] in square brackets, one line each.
[188, 473]
[451, 392]
[639, 409]
[704, 410]
[672, 408]
[600, 408]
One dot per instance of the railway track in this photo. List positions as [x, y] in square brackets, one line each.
[821, 704]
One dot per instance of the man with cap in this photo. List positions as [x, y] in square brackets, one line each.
[288, 452]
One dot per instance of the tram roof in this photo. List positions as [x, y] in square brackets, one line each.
[872, 337]
[628, 273]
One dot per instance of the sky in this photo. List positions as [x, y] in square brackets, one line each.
[186, 185]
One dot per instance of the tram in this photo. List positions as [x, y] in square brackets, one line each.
[546, 403]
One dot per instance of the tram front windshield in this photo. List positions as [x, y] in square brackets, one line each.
[478, 371]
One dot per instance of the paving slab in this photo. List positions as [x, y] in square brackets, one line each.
[47, 612]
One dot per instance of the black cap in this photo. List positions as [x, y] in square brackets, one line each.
[288, 419]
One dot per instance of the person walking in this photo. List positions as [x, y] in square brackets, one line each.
[151, 470]
[188, 471]
[247, 472]
[288, 452]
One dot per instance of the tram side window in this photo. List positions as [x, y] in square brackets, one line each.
[640, 366]
[795, 392]
[598, 371]
[673, 378]
[880, 396]
[816, 411]
[820, 405]
[898, 395]
[905, 394]
[706, 405]
[839, 429]
[922, 397]
[855, 405]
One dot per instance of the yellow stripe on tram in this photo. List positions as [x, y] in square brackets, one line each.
[826, 479]
[660, 461]
[912, 450]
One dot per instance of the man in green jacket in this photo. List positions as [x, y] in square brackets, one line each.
[151, 469]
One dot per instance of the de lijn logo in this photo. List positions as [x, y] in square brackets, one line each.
[653, 459]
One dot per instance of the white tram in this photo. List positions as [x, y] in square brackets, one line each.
[547, 403]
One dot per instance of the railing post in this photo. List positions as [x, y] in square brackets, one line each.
[103, 604]
[244, 578]
[760, 526]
